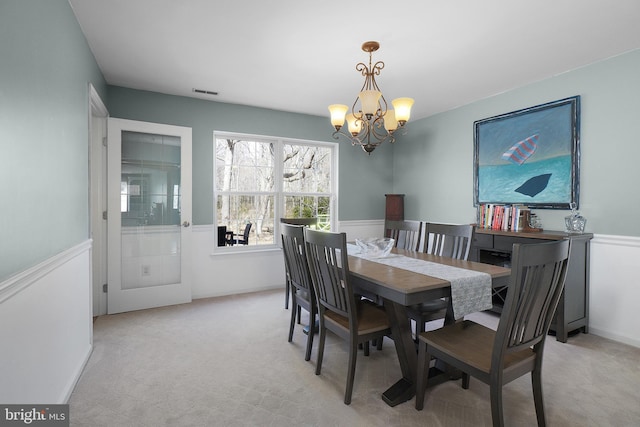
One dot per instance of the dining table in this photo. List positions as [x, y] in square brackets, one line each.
[400, 288]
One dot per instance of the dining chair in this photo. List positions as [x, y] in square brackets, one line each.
[302, 294]
[453, 241]
[308, 222]
[498, 357]
[405, 233]
[240, 239]
[356, 320]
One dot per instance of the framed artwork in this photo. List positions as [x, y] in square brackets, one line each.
[529, 157]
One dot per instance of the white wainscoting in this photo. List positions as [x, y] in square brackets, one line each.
[235, 273]
[46, 328]
[614, 297]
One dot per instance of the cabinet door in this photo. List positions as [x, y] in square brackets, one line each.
[505, 243]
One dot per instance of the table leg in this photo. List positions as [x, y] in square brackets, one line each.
[404, 389]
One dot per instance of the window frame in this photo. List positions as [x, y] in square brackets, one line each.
[278, 191]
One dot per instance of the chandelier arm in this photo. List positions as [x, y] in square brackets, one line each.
[383, 109]
[355, 140]
[379, 132]
[379, 66]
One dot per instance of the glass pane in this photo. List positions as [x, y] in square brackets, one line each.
[309, 207]
[307, 169]
[234, 212]
[150, 209]
[244, 165]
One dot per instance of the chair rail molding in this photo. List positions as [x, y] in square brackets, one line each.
[22, 280]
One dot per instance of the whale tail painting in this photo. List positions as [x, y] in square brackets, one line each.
[521, 150]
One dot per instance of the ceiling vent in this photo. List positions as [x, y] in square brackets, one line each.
[205, 92]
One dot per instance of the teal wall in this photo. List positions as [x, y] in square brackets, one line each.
[45, 70]
[434, 164]
[363, 179]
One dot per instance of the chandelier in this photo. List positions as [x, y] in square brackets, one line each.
[371, 123]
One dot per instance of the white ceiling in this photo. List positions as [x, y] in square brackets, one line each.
[297, 55]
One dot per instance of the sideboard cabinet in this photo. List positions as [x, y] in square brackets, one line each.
[495, 246]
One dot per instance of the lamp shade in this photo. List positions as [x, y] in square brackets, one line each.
[369, 100]
[338, 112]
[390, 122]
[402, 107]
[355, 124]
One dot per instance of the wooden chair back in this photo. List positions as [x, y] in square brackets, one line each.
[537, 279]
[307, 222]
[405, 233]
[298, 280]
[245, 234]
[295, 257]
[448, 240]
[329, 267]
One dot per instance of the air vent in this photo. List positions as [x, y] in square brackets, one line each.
[205, 92]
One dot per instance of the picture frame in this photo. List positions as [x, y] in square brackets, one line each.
[529, 157]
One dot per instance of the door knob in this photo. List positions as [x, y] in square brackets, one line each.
[186, 224]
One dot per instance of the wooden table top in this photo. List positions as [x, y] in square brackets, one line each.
[408, 287]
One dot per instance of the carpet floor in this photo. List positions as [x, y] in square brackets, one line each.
[226, 362]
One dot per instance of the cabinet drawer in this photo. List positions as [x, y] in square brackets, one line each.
[505, 243]
[483, 240]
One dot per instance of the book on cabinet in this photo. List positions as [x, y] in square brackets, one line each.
[504, 217]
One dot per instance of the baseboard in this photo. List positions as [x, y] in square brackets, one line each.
[613, 337]
[68, 390]
[243, 291]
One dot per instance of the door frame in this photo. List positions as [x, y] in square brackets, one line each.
[98, 116]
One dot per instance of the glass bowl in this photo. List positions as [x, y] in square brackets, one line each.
[375, 247]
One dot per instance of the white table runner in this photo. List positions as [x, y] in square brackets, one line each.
[470, 290]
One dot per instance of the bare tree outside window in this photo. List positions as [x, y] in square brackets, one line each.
[257, 179]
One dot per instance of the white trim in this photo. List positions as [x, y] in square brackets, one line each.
[95, 103]
[613, 336]
[26, 278]
[606, 239]
[73, 380]
[360, 229]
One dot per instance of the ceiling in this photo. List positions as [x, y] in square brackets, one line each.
[300, 56]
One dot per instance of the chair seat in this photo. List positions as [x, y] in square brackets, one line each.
[371, 318]
[473, 344]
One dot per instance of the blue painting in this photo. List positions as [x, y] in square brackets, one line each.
[529, 156]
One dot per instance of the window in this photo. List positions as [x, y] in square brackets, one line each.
[259, 180]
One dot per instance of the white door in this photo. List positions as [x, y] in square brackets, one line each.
[149, 215]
